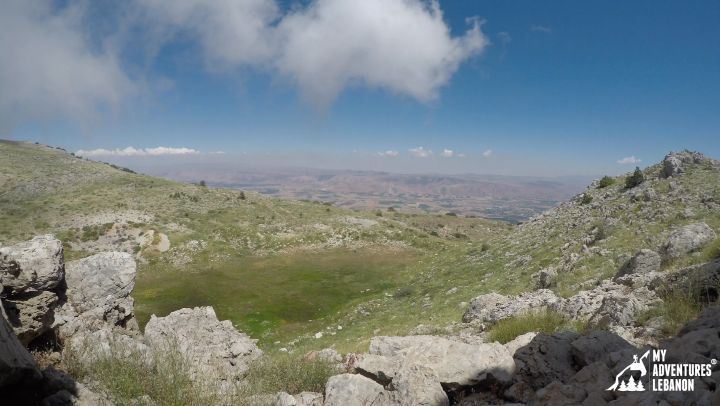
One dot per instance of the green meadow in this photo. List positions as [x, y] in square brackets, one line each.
[275, 297]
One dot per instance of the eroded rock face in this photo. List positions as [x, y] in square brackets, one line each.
[494, 307]
[687, 239]
[36, 264]
[31, 314]
[213, 348]
[102, 281]
[456, 363]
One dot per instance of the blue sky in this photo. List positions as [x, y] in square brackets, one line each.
[561, 87]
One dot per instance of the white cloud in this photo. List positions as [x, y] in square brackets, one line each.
[389, 153]
[629, 160]
[131, 151]
[231, 33]
[420, 152]
[58, 60]
[399, 45]
[447, 153]
[540, 28]
[487, 153]
[49, 70]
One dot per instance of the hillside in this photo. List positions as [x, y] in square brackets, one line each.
[627, 264]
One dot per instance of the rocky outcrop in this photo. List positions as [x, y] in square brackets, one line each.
[355, 390]
[30, 313]
[456, 364]
[644, 262]
[609, 304]
[545, 278]
[32, 273]
[689, 238]
[35, 265]
[494, 307]
[99, 287]
[213, 348]
[676, 163]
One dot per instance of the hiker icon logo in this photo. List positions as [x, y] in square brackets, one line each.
[630, 384]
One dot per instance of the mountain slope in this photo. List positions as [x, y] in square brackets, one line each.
[291, 272]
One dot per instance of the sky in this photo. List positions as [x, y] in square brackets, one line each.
[497, 87]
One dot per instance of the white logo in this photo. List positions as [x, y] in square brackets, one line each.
[630, 385]
[665, 376]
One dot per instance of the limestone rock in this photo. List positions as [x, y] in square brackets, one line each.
[456, 363]
[100, 285]
[610, 303]
[36, 264]
[494, 307]
[30, 313]
[675, 163]
[545, 278]
[416, 385]
[643, 262]
[354, 390]
[687, 239]
[211, 346]
[379, 368]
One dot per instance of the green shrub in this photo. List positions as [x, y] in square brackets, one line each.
[677, 309]
[545, 321]
[635, 179]
[605, 182]
[289, 373]
[586, 199]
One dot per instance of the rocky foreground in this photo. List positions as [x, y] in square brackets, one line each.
[83, 311]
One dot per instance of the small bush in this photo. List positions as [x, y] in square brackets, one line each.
[635, 179]
[289, 373]
[677, 309]
[712, 252]
[586, 199]
[605, 182]
[543, 321]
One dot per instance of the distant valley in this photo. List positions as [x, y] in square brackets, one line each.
[509, 198]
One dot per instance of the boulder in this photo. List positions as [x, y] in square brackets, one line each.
[100, 286]
[687, 239]
[645, 261]
[355, 390]
[35, 265]
[417, 385]
[545, 359]
[594, 379]
[212, 348]
[30, 313]
[326, 354]
[494, 307]
[545, 278]
[456, 364]
[595, 346]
